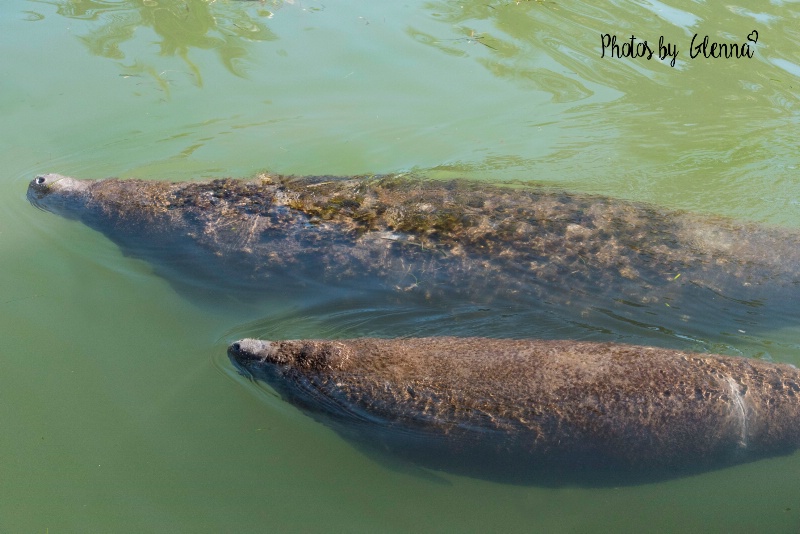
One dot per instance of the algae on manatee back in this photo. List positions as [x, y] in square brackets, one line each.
[443, 241]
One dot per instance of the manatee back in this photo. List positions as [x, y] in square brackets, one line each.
[597, 403]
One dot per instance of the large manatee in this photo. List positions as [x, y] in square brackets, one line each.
[537, 410]
[445, 242]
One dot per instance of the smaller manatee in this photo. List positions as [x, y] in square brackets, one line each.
[537, 410]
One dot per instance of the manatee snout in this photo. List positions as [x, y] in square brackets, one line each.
[39, 187]
[43, 183]
[252, 356]
[251, 349]
[57, 193]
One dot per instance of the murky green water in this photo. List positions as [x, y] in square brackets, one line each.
[119, 411]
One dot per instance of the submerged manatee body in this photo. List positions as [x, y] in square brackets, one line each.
[445, 242]
[536, 410]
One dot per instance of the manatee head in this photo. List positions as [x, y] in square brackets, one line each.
[251, 355]
[259, 358]
[59, 194]
[303, 372]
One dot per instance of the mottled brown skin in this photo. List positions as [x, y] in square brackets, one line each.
[534, 405]
[442, 241]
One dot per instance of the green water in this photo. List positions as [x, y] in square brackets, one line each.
[119, 411]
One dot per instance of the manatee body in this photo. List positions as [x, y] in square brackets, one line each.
[443, 242]
[519, 408]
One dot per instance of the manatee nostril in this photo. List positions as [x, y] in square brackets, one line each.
[40, 180]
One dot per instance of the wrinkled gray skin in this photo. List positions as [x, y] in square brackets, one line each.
[440, 243]
[536, 410]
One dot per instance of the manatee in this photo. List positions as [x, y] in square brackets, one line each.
[537, 410]
[405, 239]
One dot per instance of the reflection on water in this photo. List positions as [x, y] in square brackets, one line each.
[709, 119]
[181, 25]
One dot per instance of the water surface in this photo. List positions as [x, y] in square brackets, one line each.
[120, 411]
